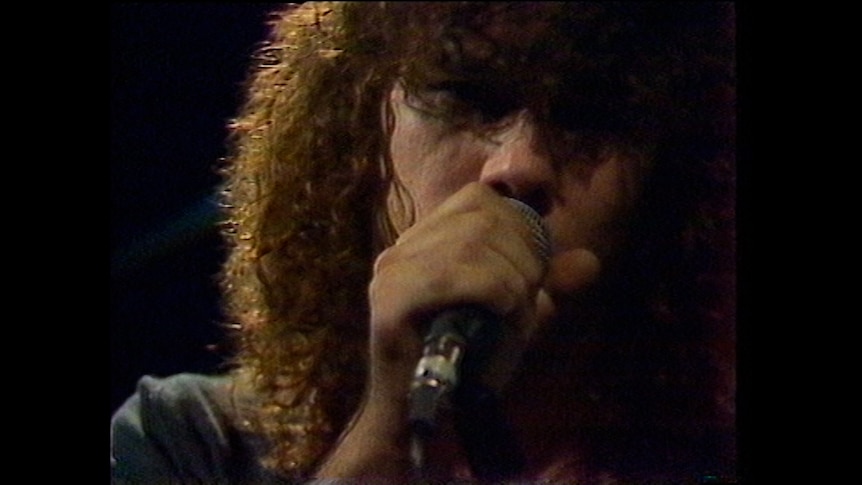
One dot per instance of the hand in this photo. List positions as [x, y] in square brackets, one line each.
[473, 248]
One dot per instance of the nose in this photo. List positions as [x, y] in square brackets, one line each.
[519, 166]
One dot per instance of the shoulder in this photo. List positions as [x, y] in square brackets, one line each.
[188, 394]
[186, 427]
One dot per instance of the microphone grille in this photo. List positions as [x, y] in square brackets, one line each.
[541, 234]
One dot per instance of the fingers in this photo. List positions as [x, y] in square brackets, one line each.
[474, 248]
[476, 219]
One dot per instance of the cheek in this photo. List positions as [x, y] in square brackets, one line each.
[430, 164]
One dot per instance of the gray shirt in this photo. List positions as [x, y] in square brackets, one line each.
[187, 428]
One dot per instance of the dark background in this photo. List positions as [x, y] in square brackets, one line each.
[176, 75]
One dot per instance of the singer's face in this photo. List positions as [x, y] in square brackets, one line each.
[586, 186]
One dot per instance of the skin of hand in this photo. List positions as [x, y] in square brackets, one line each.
[475, 247]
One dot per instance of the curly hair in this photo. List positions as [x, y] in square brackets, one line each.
[308, 180]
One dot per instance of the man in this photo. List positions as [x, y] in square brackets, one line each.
[369, 190]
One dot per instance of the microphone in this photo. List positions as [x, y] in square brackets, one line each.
[458, 343]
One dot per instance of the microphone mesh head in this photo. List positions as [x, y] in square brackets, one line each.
[539, 228]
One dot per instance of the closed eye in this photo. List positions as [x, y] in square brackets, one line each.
[466, 101]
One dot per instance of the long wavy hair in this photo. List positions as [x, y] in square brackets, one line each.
[308, 178]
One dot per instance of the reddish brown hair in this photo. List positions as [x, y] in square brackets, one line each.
[306, 182]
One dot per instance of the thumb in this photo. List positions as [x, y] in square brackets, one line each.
[571, 271]
[568, 272]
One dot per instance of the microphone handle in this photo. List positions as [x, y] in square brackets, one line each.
[457, 346]
[446, 362]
